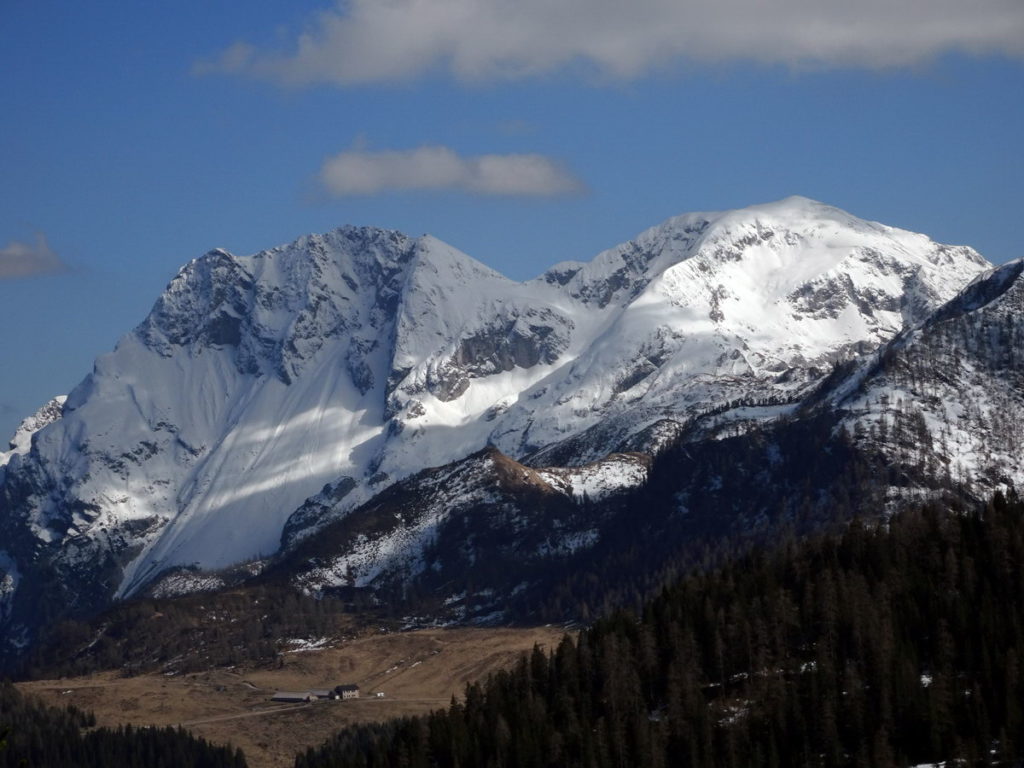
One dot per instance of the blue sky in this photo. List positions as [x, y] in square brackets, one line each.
[137, 136]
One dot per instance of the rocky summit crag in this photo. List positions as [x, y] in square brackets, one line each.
[377, 389]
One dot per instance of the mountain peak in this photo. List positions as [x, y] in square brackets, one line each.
[796, 206]
[441, 259]
[793, 211]
[356, 358]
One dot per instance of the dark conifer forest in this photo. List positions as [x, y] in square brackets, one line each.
[33, 735]
[184, 634]
[887, 645]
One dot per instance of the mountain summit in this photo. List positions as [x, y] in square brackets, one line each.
[268, 395]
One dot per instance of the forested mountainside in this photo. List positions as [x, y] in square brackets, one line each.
[37, 736]
[888, 645]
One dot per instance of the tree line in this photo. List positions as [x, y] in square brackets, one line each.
[187, 634]
[889, 644]
[33, 734]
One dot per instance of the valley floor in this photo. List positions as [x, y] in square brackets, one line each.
[417, 671]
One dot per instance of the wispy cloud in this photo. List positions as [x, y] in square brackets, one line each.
[19, 259]
[361, 172]
[368, 41]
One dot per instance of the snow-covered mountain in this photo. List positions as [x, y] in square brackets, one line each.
[268, 396]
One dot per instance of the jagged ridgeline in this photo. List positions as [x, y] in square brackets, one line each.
[33, 734]
[885, 646]
[382, 418]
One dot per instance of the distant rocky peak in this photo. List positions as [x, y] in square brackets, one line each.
[195, 303]
[21, 442]
[274, 309]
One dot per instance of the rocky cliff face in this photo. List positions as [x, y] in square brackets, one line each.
[267, 397]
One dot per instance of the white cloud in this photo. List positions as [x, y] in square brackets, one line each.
[367, 41]
[361, 172]
[19, 259]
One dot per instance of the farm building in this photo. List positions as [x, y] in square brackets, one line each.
[337, 692]
[293, 696]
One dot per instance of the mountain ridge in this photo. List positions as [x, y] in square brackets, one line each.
[267, 396]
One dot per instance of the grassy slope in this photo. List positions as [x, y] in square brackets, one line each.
[418, 671]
